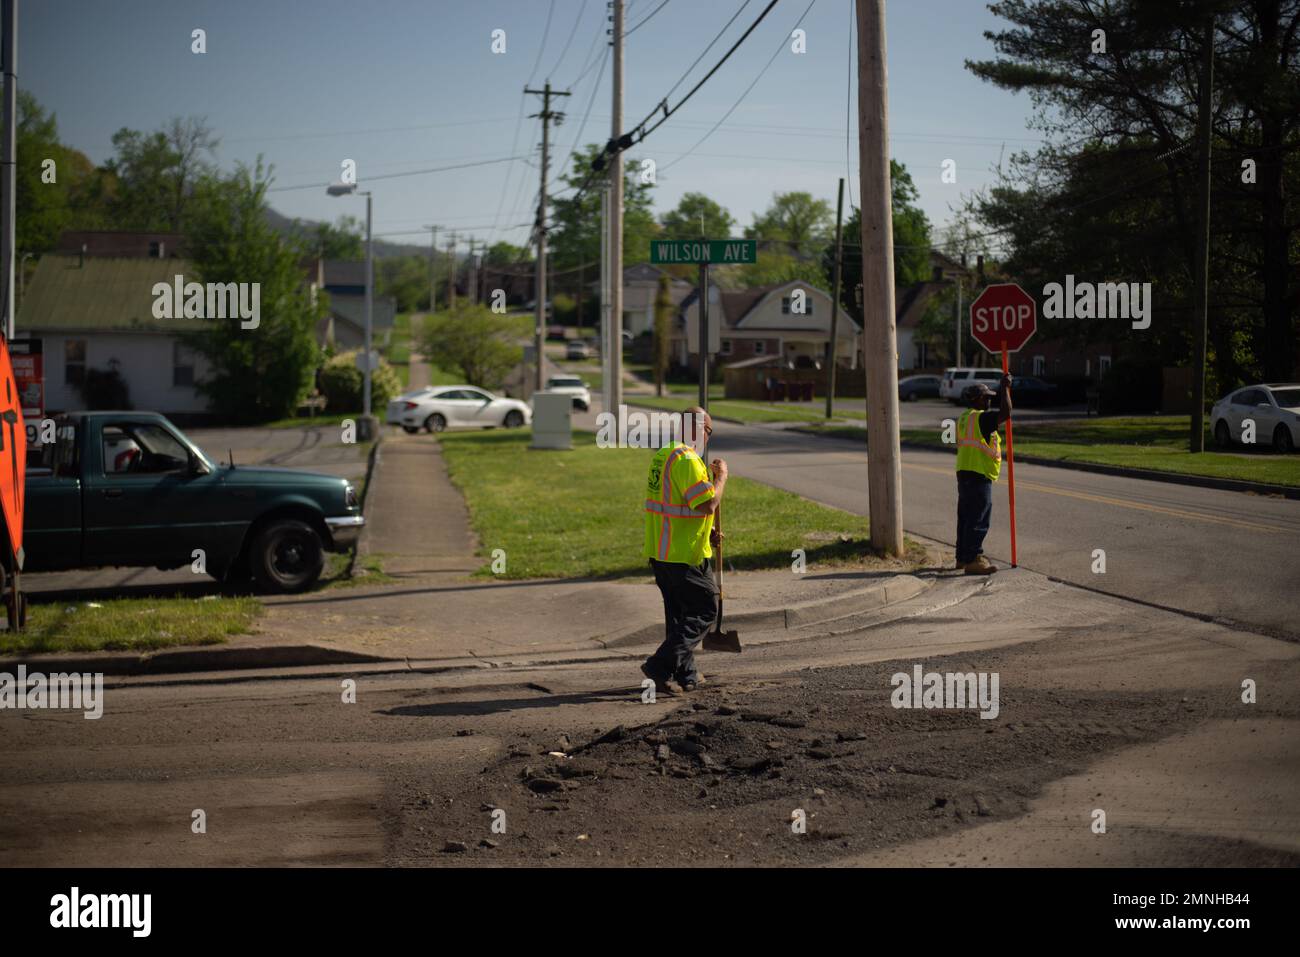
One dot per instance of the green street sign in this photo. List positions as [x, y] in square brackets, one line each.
[709, 251]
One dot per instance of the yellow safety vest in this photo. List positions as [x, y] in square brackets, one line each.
[674, 531]
[973, 453]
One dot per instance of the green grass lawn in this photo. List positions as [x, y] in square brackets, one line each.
[578, 514]
[747, 411]
[132, 624]
[1157, 442]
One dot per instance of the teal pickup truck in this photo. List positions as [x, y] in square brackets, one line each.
[129, 488]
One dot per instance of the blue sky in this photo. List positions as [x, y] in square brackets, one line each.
[401, 85]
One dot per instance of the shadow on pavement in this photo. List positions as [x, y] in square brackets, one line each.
[465, 709]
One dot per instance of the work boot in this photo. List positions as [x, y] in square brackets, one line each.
[661, 684]
[981, 566]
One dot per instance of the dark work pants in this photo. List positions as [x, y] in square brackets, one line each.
[690, 608]
[974, 508]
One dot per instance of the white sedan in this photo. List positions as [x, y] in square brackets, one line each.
[436, 408]
[1273, 409]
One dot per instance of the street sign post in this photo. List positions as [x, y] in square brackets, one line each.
[1003, 318]
[703, 252]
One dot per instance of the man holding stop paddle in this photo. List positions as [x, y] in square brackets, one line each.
[979, 463]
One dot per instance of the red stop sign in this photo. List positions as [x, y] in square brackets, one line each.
[1003, 315]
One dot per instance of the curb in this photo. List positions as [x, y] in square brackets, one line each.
[1171, 478]
[253, 657]
[799, 615]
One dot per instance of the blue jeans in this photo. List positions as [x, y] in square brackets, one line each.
[974, 508]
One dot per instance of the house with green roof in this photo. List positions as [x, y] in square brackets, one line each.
[95, 312]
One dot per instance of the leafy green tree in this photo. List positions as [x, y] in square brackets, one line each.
[506, 254]
[406, 279]
[482, 344]
[911, 241]
[697, 216]
[257, 374]
[44, 209]
[1117, 183]
[574, 238]
[345, 239]
[663, 329]
[796, 220]
[159, 174]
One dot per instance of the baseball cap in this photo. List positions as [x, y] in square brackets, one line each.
[976, 391]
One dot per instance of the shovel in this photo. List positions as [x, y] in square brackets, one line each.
[717, 639]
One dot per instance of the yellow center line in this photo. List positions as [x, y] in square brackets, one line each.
[1106, 500]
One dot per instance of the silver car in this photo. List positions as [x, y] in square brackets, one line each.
[461, 407]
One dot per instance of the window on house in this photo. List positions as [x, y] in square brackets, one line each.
[157, 249]
[74, 361]
[760, 347]
[807, 305]
[1040, 365]
[726, 347]
[182, 365]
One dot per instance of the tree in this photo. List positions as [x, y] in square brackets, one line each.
[911, 241]
[159, 174]
[345, 240]
[45, 209]
[505, 254]
[1122, 120]
[697, 216]
[796, 220]
[663, 330]
[258, 373]
[482, 344]
[574, 238]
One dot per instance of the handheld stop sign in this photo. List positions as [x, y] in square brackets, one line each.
[1003, 318]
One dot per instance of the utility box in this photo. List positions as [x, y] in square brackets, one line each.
[552, 428]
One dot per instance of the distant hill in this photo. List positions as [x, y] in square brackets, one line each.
[287, 227]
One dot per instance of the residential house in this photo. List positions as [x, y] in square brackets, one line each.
[96, 312]
[789, 320]
[640, 289]
[345, 325]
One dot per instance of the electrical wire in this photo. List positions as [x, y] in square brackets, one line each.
[414, 172]
[640, 23]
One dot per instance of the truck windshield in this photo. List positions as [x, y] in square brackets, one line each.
[58, 457]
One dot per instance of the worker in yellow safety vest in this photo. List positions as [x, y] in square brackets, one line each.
[682, 495]
[979, 462]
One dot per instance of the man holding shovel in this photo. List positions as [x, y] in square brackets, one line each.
[682, 498]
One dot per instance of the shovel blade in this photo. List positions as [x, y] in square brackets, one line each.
[723, 641]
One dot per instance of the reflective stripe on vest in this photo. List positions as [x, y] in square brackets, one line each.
[664, 506]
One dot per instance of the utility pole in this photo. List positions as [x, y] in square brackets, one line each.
[604, 298]
[546, 116]
[615, 342]
[9, 55]
[880, 344]
[451, 271]
[956, 355]
[471, 280]
[1201, 308]
[835, 302]
[433, 269]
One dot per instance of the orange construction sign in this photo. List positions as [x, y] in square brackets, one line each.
[13, 451]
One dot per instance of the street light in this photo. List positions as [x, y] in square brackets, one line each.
[350, 189]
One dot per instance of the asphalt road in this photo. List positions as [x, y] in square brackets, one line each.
[1230, 555]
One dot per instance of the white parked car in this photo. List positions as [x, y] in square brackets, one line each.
[956, 379]
[1275, 410]
[397, 406]
[460, 407]
[571, 385]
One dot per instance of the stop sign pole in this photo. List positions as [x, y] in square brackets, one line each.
[1003, 317]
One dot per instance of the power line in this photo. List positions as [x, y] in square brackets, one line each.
[542, 49]
[583, 125]
[414, 172]
[640, 23]
[704, 53]
[563, 53]
[751, 86]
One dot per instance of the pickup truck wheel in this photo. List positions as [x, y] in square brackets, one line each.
[287, 556]
[514, 419]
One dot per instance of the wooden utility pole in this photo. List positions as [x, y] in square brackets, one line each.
[433, 270]
[614, 345]
[539, 337]
[880, 345]
[451, 272]
[1201, 308]
[835, 302]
